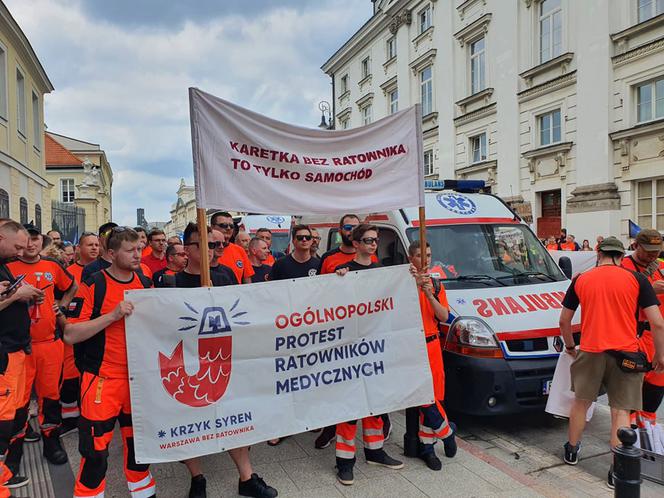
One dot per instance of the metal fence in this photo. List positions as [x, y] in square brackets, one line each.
[67, 219]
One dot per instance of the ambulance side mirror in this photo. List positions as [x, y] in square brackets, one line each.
[566, 266]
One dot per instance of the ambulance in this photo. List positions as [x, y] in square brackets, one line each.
[502, 340]
[278, 224]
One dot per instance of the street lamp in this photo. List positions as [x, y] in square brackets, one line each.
[324, 107]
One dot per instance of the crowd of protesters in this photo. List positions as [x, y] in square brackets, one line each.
[62, 339]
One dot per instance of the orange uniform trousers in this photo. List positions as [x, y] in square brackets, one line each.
[105, 401]
[43, 369]
[372, 436]
[433, 419]
[12, 384]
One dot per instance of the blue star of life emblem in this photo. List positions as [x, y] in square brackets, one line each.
[457, 203]
[460, 300]
[161, 434]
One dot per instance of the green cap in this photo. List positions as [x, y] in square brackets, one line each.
[611, 244]
[650, 239]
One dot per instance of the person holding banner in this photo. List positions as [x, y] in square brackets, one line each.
[364, 238]
[249, 484]
[299, 263]
[435, 310]
[233, 256]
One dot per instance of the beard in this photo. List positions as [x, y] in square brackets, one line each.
[345, 239]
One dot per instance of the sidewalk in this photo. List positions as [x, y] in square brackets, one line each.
[298, 470]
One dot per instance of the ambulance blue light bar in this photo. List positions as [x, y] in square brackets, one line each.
[458, 185]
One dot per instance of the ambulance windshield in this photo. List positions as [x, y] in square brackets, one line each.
[476, 256]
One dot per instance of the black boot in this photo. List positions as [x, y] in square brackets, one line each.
[345, 471]
[53, 450]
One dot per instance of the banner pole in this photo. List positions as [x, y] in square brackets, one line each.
[423, 239]
[201, 220]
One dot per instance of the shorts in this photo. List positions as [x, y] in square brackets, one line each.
[592, 370]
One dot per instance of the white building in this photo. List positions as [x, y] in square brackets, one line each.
[557, 104]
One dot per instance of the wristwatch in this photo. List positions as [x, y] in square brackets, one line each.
[570, 348]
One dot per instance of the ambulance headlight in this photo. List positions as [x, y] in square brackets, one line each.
[473, 332]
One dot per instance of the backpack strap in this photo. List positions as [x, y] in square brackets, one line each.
[145, 281]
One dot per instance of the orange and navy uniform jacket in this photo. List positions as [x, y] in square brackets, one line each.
[646, 342]
[270, 260]
[47, 274]
[334, 258]
[432, 335]
[76, 270]
[105, 353]
[237, 260]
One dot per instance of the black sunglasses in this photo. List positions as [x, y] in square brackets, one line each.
[224, 225]
[300, 238]
[211, 245]
[369, 240]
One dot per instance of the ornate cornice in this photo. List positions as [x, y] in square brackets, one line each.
[638, 130]
[365, 99]
[547, 87]
[472, 168]
[621, 37]
[476, 114]
[561, 61]
[464, 6]
[389, 84]
[341, 115]
[474, 29]
[548, 150]
[403, 17]
[476, 97]
[423, 61]
[639, 52]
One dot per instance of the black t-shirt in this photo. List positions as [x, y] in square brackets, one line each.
[354, 266]
[287, 267]
[220, 276]
[14, 321]
[260, 273]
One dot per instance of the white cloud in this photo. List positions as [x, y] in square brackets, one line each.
[126, 88]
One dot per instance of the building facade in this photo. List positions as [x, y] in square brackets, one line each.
[183, 211]
[557, 104]
[24, 188]
[81, 176]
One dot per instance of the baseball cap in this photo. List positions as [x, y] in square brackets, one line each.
[32, 230]
[650, 239]
[611, 244]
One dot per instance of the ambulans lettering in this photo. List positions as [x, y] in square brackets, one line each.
[526, 303]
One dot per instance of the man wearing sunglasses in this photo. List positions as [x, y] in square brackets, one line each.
[176, 260]
[233, 255]
[299, 263]
[364, 238]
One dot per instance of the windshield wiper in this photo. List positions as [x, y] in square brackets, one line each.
[477, 278]
[529, 274]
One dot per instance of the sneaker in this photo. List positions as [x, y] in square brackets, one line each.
[69, 425]
[450, 443]
[387, 427]
[609, 478]
[17, 481]
[31, 435]
[571, 453]
[326, 437]
[53, 450]
[432, 461]
[345, 471]
[379, 457]
[256, 487]
[198, 487]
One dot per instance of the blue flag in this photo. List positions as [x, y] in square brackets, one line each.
[634, 229]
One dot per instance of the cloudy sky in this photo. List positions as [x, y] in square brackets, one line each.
[121, 69]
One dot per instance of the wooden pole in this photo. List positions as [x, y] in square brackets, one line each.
[201, 220]
[423, 240]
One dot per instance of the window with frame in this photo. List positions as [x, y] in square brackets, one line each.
[649, 9]
[67, 189]
[345, 123]
[366, 67]
[3, 83]
[428, 162]
[549, 127]
[478, 148]
[4, 204]
[36, 121]
[650, 203]
[424, 18]
[394, 101]
[38, 217]
[477, 66]
[23, 210]
[20, 101]
[344, 84]
[367, 114]
[391, 47]
[426, 90]
[550, 30]
[650, 100]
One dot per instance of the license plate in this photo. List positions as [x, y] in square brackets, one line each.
[546, 387]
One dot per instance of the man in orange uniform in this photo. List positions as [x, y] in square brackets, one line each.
[14, 343]
[365, 241]
[101, 355]
[44, 366]
[71, 385]
[233, 256]
[156, 260]
[644, 260]
[435, 309]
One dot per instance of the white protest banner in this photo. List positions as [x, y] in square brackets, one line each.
[218, 368]
[244, 161]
